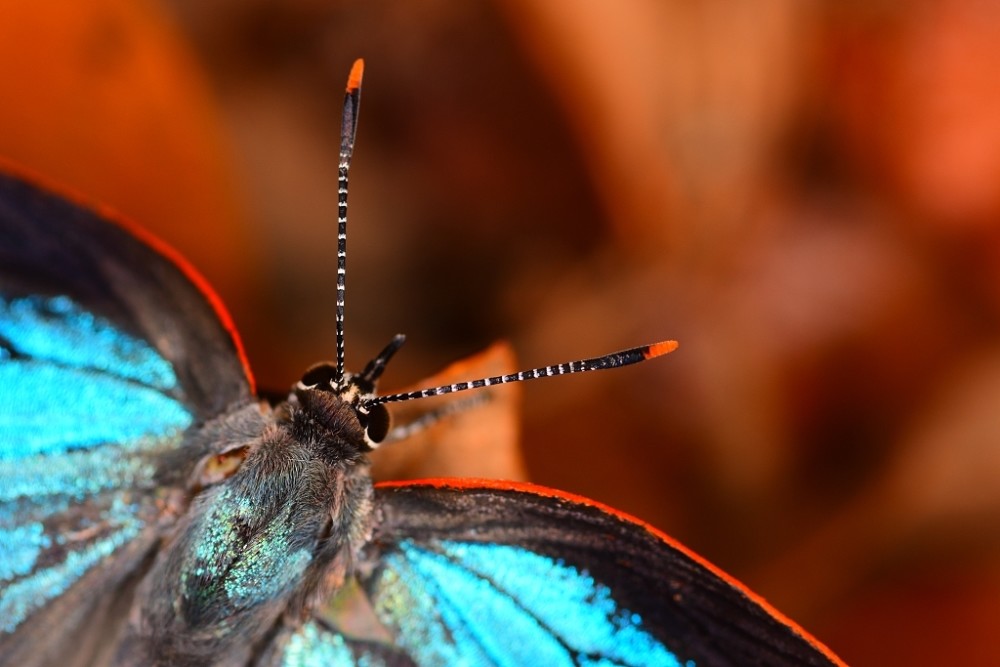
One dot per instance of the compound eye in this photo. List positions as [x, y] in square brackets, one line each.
[320, 376]
[376, 422]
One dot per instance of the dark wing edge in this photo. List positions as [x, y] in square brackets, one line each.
[143, 276]
[696, 609]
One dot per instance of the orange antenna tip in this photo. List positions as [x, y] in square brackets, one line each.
[659, 349]
[357, 71]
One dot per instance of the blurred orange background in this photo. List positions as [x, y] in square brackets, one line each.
[806, 195]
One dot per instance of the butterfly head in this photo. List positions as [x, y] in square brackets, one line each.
[325, 390]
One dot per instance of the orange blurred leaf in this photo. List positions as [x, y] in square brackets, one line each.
[478, 442]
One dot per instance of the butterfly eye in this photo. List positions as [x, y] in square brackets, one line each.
[375, 422]
[320, 376]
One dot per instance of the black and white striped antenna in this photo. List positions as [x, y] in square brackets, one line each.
[348, 130]
[613, 360]
[366, 401]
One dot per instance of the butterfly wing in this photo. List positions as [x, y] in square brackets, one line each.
[485, 573]
[317, 643]
[109, 352]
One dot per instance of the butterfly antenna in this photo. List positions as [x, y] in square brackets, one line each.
[373, 371]
[348, 129]
[623, 358]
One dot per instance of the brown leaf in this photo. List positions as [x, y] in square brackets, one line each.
[481, 441]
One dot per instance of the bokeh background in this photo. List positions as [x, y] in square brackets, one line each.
[805, 194]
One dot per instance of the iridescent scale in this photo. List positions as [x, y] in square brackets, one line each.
[84, 415]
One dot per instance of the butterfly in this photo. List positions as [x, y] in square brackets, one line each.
[154, 510]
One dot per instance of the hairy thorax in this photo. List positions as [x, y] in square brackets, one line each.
[261, 545]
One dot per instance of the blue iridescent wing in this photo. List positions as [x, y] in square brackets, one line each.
[109, 352]
[479, 573]
[316, 643]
